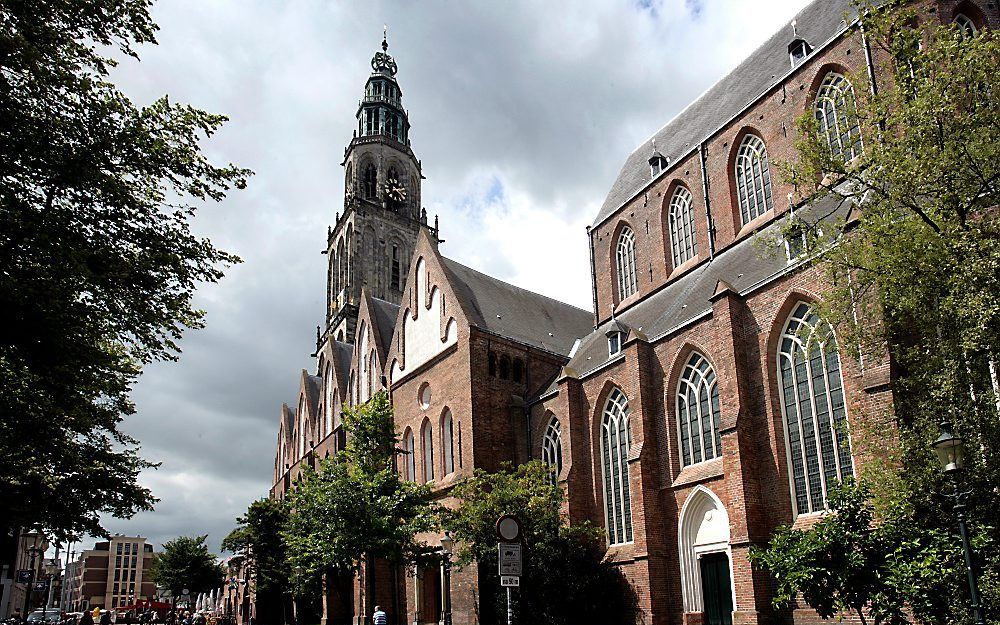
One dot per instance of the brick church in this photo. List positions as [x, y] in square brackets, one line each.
[701, 403]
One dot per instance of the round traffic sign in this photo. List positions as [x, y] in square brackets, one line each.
[508, 528]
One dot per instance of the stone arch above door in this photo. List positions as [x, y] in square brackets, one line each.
[703, 528]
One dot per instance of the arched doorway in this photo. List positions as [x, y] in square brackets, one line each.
[706, 571]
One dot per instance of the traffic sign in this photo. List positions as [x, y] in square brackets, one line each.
[510, 559]
[25, 576]
[508, 528]
[510, 581]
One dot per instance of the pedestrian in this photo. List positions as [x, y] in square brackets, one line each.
[86, 619]
[106, 617]
[379, 617]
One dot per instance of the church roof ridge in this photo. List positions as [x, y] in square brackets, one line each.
[819, 22]
[514, 312]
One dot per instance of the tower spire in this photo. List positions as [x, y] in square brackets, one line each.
[385, 37]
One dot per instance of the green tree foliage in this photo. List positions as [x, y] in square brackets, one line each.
[566, 579]
[97, 261]
[881, 572]
[186, 562]
[356, 504]
[917, 275]
[258, 538]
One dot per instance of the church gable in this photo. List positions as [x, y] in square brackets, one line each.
[429, 318]
[374, 335]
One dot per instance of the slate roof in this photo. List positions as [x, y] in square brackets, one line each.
[504, 309]
[342, 356]
[743, 266]
[385, 320]
[312, 387]
[817, 23]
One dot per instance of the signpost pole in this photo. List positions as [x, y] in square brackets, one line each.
[510, 609]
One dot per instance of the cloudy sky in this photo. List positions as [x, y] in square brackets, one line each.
[522, 114]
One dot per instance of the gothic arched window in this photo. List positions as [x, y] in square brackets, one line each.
[753, 179]
[552, 449]
[504, 367]
[410, 460]
[427, 450]
[369, 182]
[812, 402]
[330, 402]
[625, 257]
[615, 442]
[837, 117]
[373, 380]
[698, 412]
[683, 244]
[966, 26]
[448, 442]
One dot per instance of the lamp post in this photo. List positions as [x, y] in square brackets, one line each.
[447, 544]
[33, 552]
[951, 454]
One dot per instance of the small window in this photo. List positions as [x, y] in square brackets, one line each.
[798, 50]
[614, 343]
[119, 548]
[492, 364]
[424, 396]
[657, 163]
[504, 367]
[395, 269]
[518, 372]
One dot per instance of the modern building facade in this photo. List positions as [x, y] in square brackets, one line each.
[112, 575]
[702, 402]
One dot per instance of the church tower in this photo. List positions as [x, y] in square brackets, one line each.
[372, 240]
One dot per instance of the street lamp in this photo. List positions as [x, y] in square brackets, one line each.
[33, 552]
[447, 544]
[951, 454]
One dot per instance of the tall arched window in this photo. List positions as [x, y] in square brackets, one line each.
[753, 179]
[812, 401]
[837, 117]
[348, 179]
[448, 442]
[615, 441]
[683, 243]
[369, 181]
[410, 460]
[427, 450]
[330, 402]
[625, 257]
[373, 380]
[698, 412]
[966, 26]
[552, 449]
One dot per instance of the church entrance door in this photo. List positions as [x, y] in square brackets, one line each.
[716, 586]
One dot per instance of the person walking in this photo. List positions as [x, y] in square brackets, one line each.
[106, 617]
[86, 618]
[379, 617]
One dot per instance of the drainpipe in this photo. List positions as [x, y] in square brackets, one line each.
[708, 203]
[868, 57]
[593, 276]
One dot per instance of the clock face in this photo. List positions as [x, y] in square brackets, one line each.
[508, 528]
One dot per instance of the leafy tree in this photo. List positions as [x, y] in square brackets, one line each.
[258, 538]
[186, 562]
[356, 506]
[917, 276]
[881, 572]
[98, 261]
[566, 579]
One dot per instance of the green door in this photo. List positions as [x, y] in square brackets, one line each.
[716, 589]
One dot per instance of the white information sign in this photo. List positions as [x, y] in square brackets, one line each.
[510, 581]
[510, 559]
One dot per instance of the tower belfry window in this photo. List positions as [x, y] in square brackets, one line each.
[370, 181]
